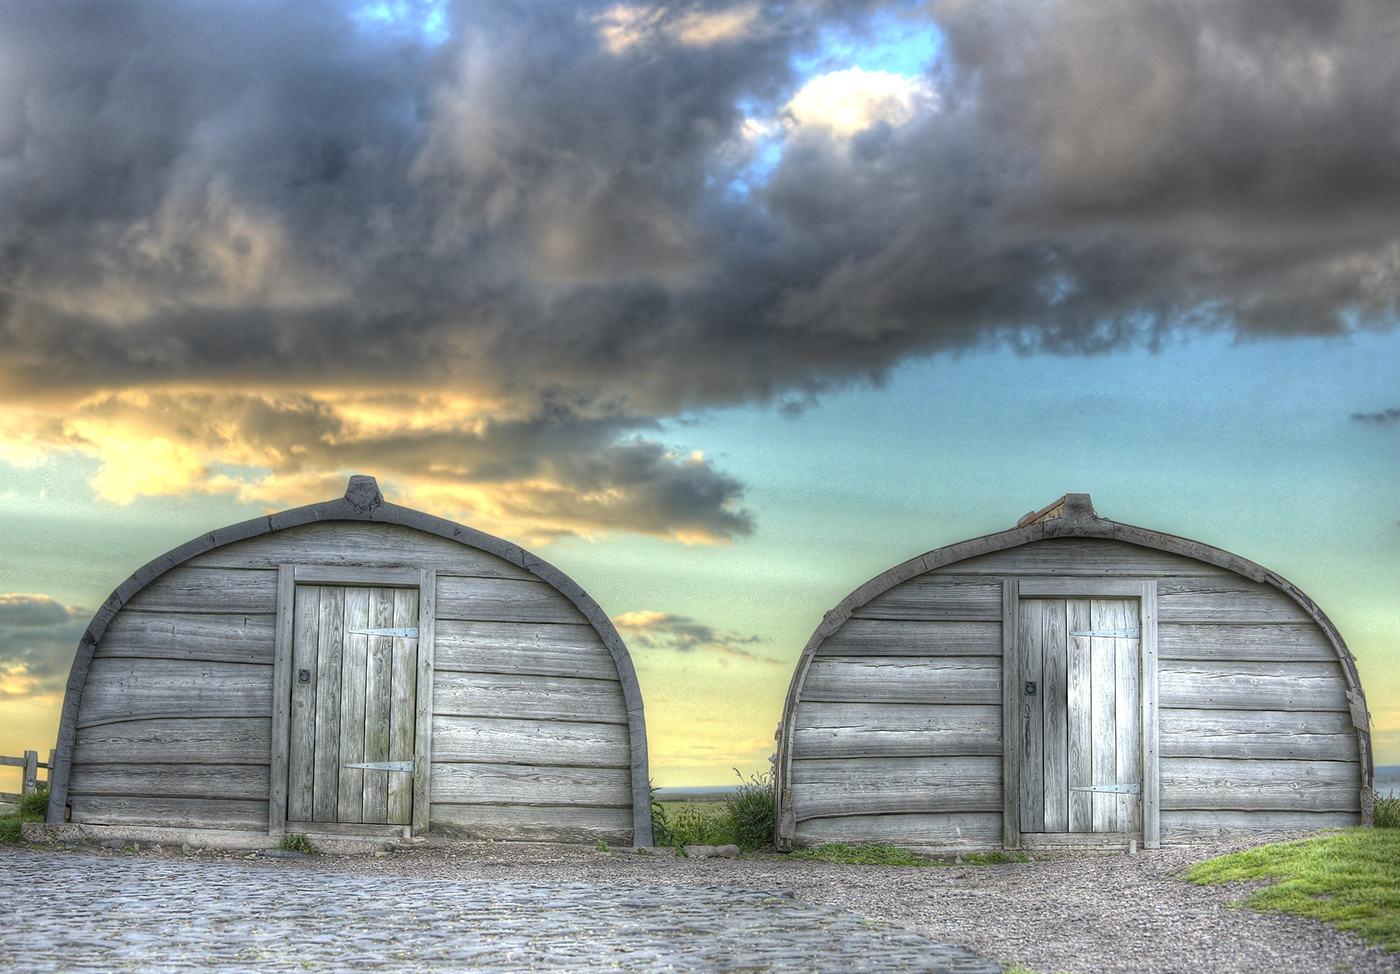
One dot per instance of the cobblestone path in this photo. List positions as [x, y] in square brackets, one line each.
[88, 913]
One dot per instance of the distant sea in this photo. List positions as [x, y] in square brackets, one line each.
[1388, 781]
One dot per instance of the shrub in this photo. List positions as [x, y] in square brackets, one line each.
[751, 811]
[297, 842]
[1388, 812]
[30, 808]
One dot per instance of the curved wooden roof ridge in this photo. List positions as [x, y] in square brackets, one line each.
[363, 501]
[1073, 516]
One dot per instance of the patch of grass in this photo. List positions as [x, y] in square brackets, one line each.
[696, 823]
[30, 808]
[1388, 812]
[1349, 879]
[872, 855]
[297, 842]
[994, 858]
[746, 820]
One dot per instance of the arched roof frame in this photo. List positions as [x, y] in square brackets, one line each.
[362, 502]
[1072, 516]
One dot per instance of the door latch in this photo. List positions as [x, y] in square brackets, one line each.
[1030, 688]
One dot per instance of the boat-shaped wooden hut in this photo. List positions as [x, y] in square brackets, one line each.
[353, 669]
[1072, 682]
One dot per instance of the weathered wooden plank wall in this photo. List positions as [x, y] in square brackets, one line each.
[530, 725]
[896, 735]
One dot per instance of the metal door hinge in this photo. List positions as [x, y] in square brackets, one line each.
[404, 766]
[1110, 633]
[411, 633]
[1133, 789]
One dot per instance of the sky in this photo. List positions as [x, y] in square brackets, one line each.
[722, 308]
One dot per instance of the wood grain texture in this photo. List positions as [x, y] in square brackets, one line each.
[283, 652]
[173, 813]
[1223, 785]
[494, 740]
[301, 747]
[896, 679]
[133, 689]
[543, 649]
[175, 740]
[1031, 651]
[1251, 686]
[827, 788]
[1259, 734]
[535, 823]
[967, 830]
[330, 637]
[1149, 717]
[194, 636]
[1082, 556]
[504, 600]
[1188, 827]
[1079, 706]
[210, 591]
[1055, 699]
[379, 665]
[1222, 641]
[514, 784]
[861, 730]
[1228, 599]
[894, 637]
[354, 664]
[352, 543]
[242, 781]
[937, 597]
[1103, 697]
[534, 697]
[405, 606]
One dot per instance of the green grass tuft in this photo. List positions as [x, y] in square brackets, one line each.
[872, 855]
[297, 842]
[30, 808]
[1349, 879]
[994, 858]
[1388, 812]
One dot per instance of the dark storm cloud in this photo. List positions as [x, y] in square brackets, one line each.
[38, 637]
[665, 630]
[544, 209]
[1387, 417]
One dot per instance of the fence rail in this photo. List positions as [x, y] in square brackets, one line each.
[31, 765]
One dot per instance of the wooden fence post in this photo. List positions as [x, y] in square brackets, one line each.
[31, 772]
[48, 779]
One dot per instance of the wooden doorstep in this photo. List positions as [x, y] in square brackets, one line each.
[1079, 840]
[347, 829]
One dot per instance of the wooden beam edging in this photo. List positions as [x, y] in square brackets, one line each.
[362, 502]
[1068, 526]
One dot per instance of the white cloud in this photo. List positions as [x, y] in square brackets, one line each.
[850, 101]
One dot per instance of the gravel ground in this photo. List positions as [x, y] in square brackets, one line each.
[1084, 914]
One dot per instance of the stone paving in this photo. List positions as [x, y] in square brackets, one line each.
[82, 912]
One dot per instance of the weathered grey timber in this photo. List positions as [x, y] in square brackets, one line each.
[354, 665]
[1072, 682]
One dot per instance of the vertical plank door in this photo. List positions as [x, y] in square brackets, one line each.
[354, 679]
[1081, 749]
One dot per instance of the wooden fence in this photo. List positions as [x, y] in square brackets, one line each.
[31, 765]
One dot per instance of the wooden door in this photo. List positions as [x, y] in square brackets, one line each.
[1081, 710]
[354, 680]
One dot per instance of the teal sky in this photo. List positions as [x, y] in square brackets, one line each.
[722, 307]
